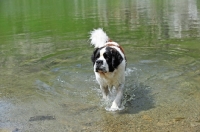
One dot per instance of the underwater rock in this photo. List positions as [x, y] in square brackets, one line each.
[42, 118]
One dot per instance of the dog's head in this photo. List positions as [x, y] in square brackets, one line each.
[106, 59]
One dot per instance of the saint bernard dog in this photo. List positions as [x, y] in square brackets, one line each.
[109, 64]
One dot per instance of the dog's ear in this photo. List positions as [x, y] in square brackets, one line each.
[116, 58]
[94, 55]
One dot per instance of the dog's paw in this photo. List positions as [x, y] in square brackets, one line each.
[114, 107]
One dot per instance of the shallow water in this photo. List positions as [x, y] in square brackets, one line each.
[46, 77]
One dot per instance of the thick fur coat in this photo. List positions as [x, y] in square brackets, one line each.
[109, 64]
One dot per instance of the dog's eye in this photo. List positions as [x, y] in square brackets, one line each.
[105, 55]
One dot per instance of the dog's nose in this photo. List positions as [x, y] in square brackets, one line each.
[99, 62]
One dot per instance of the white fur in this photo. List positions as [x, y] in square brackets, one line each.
[98, 38]
[109, 79]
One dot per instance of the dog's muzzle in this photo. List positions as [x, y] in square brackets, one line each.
[99, 66]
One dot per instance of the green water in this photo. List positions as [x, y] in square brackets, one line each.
[46, 76]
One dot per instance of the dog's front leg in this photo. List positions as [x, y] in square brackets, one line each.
[105, 91]
[116, 104]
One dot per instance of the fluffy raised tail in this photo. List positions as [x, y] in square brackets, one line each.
[98, 38]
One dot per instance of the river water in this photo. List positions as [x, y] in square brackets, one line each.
[46, 76]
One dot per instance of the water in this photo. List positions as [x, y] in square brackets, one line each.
[46, 76]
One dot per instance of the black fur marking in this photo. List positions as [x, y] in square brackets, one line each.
[116, 59]
[95, 55]
[108, 57]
